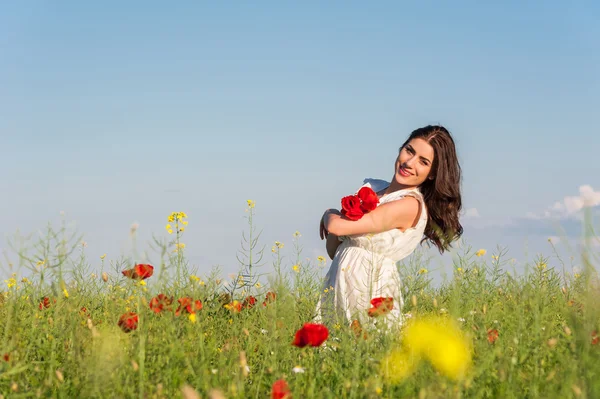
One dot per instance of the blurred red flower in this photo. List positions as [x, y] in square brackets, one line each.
[6, 357]
[381, 305]
[45, 303]
[160, 302]
[492, 335]
[140, 271]
[280, 390]
[188, 305]
[595, 337]
[310, 334]
[249, 302]
[270, 297]
[128, 321]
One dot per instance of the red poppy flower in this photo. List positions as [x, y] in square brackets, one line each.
[280, 390]
[368, 199]
[160, 302]
[310, 334]
[140, 271]
[351, 207]
[44, 303]
[492, 335]
[249, 302]
[595, 337]
[188, 305]
[128, 321]
[381, 305]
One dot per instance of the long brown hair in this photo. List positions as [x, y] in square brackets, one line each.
[442, 192]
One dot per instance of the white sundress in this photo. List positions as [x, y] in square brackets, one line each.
[364, 267]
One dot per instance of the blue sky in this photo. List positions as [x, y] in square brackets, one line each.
[123, 113]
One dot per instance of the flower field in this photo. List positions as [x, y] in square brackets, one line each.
[74, 327]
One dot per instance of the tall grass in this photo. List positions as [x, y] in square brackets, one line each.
[532, 334]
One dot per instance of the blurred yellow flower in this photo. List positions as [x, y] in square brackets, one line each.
[542, 265]
[103, 256]
[11, 282]
[182, 229]
[459, 269]
[194, 278]
[481, 252]
[439, 340]
[65, 293]
[170, 231]
[321, 258]
[184, 222]
[296, 268]
[192, 317]
[399, 364]
[423, 271]
[251, 203]
[297, 234]
[168, 227]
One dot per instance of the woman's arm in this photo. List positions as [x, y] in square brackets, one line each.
[332, 244]
[402, 214]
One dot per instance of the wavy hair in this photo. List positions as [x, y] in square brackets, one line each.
[442, 192]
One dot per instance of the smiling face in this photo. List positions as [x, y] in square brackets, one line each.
[414, 163]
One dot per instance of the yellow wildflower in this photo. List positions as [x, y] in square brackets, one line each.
[422, 271]
[296, 268]
[278, 244]
[481, 252]
[321, 258]
[102, 256]
[251, 203]
[542, 265]
[184, 222]
[459, 269]
[171, 218]
[297, 234]
[192, 317]
[142, 283]
[11, 282]
[168, 227]
[257, 285]
[194, 278]
[170, 231]
[181, 229]
[65, 293]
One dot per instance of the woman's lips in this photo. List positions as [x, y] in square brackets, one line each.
[404, 173]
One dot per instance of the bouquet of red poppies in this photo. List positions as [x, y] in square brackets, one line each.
[355, 206]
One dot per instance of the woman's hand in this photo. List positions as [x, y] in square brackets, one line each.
[322, 230]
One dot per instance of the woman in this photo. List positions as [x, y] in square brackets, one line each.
[421, 203]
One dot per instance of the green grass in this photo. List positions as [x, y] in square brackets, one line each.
[544, 317]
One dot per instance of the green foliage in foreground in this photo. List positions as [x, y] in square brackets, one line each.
[545, 321]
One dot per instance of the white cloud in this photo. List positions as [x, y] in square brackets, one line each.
[570, 206]
[471, 213]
